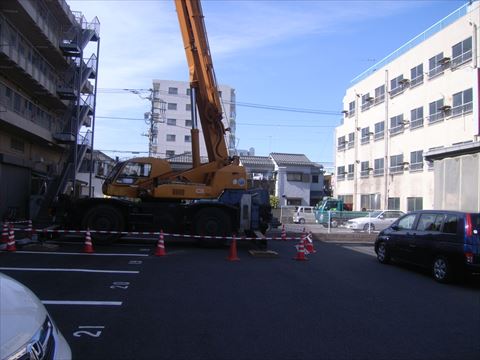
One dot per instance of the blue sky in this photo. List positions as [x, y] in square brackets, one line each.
[295, 54]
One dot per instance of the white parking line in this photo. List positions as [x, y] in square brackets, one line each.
[362, 249]
[73, 302]
[70, 253]
[70, 270]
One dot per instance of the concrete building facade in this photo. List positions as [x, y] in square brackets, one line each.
[172, 118]
[419, 100]
[46, 101]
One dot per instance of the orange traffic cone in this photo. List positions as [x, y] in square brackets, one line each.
[301, 251]
[11, 239]
[88, 247]
[5, 233]
[232, 254]
[160, 251]
[309, 243]
[284, 233]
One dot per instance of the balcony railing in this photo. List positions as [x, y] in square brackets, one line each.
[364, 174]
[416, 81]
[416, 166]
[398, 129]
[433, 118]
[462, 109]
[397, 169]
[416, 123]
[378, 172]
[379, 135]
[461, 59]
[365, 140]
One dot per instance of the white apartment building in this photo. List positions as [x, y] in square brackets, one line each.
[173, 118]
[420, 100]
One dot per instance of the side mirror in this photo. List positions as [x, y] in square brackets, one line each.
[395, 227]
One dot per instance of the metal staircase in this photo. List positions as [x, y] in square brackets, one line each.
[76, 88]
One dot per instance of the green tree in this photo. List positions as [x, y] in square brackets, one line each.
[274, 201]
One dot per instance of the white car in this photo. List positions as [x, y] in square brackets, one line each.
[26, 329]
[377, 220]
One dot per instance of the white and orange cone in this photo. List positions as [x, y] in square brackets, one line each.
[284, 233]
[309, 244]
[88, 247]
[160, 251]
[11, 239]
[5, 233]
[301, 253]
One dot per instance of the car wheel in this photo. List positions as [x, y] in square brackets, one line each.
[366, 226]
[334, 223]
[441, 269]
[301, 221]
[383, 255]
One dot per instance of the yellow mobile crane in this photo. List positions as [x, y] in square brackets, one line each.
[210, 198]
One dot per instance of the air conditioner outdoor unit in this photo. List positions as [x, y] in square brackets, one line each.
[445, 108]
[370, 98]
[404, 81]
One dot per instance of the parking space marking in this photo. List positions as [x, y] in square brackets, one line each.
[70, 270]
[362, 249]
[74, 302]
[79, 253]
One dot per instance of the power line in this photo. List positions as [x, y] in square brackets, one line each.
[237, 123]
[238, 103]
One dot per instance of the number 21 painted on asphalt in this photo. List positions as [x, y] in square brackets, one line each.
[93, 331]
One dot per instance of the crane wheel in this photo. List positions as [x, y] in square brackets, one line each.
[212, 222]
[104, 217]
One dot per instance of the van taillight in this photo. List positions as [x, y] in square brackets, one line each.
[468, 225]
[469, 257]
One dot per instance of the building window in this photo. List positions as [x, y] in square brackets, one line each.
[220, 94]
[351, 109]
[396, 124]
[379, 130]
[173, 91]
[416, 118]
[379, 95]
[351, 140]
[170, 137]
[379, 167]
[414, 203]
[351, 171]
[462, 52]
[416, 75]
[370, 201]
[462, 102]
[397, 86]
[172, 106]
[188, 91]
[367, 101]
[341, 143]
[188, 107]
[396, 164]
[294, 176]
[341, 173]
[436, 111]
[188, 123]
[365, 135]
[188, 138]
[416, 160]
[393, 203]
[437, 65]
[315, 179]
[170, 153]
[172, 122]
[364, 169]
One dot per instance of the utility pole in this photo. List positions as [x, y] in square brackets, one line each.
[152, 118]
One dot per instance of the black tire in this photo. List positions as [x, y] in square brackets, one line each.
[372, 227]
[212, 222]
[334, 223]
[383, 254]
[441, 270]
[104, 217]
[301, 221]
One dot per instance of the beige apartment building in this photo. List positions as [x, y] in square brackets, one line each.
[408, 116]
[172, 118]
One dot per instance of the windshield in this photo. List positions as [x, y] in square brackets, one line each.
[375, 213]
[134, 169]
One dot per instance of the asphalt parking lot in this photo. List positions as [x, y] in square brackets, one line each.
[122, 302]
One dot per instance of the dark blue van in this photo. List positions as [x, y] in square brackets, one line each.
[447, 242]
